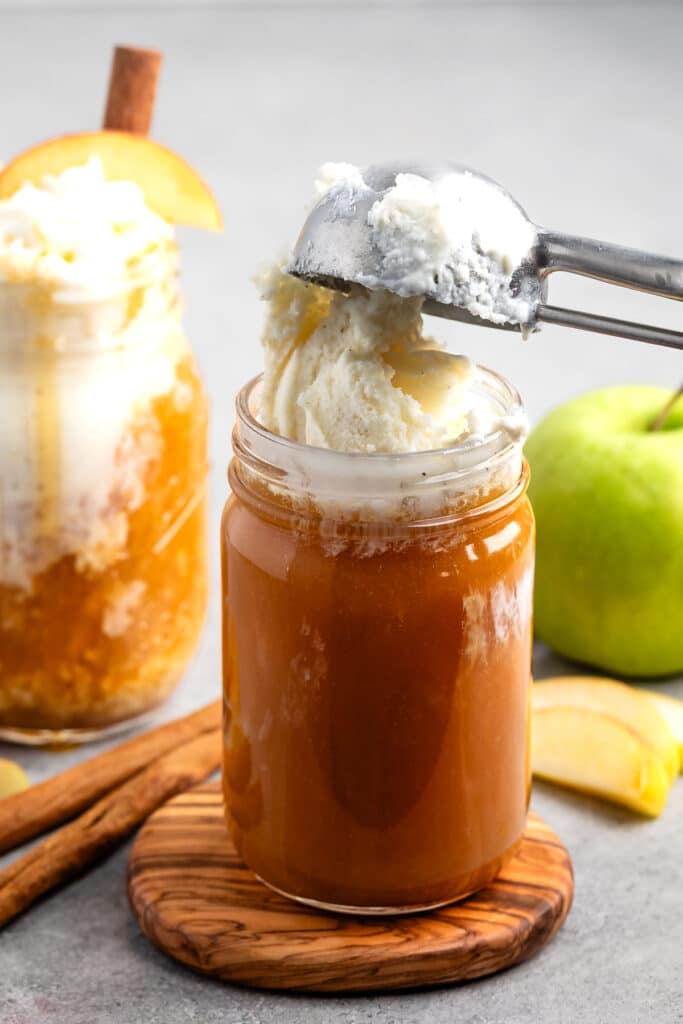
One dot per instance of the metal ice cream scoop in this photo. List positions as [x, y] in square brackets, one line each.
[348, 238]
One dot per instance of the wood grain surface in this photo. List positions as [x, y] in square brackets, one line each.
[195, 900]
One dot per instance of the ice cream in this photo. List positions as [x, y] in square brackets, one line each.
[444, 233]
[357, 373]
[457, 239]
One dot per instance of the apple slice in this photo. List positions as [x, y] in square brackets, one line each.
[13, 778]
[170, 186]
[591, 751]
[627, 705]
[671, 710]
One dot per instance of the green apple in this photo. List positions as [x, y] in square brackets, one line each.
[607, 491]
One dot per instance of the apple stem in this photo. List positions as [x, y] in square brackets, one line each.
[661, 417]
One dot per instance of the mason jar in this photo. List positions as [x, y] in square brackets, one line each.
[377, 660]
[103, 547]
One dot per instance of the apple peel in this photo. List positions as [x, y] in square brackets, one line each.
[671, 710]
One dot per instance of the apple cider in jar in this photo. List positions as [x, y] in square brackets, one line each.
[377, 612]
[103, 564]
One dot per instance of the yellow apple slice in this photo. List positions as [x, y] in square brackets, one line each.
[13, 778]
[626, 704]
[171, 187]
[671, 710]
[590, 751]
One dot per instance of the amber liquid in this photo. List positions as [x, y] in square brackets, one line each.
[61, 668]
[376, 694]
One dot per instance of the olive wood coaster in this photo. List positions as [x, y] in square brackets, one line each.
[195, 899]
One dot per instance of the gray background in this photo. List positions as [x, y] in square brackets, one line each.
[576, 108]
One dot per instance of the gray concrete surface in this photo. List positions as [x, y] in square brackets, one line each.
[576, 108]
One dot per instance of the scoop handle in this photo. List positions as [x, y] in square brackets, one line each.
[614, 264]
[609, 325]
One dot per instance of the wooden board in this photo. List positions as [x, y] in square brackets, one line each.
[195, 900]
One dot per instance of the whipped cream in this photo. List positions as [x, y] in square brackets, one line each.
[81, 236]
[90, 335]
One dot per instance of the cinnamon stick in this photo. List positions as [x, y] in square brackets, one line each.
[132, 90]
[50, 803]
[95, 833]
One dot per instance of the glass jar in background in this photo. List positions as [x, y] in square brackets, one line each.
[377, 658]
[103, 547]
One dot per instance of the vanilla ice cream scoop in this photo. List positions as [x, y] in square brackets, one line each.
[356, 373]
[458, 240]
[446, 235]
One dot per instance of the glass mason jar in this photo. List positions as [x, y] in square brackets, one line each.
[103, 546]
[377, 660]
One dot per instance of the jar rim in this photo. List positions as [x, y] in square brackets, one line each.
[498, 438]
[478, 466]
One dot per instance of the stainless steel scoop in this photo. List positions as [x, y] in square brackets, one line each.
[336, 248]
